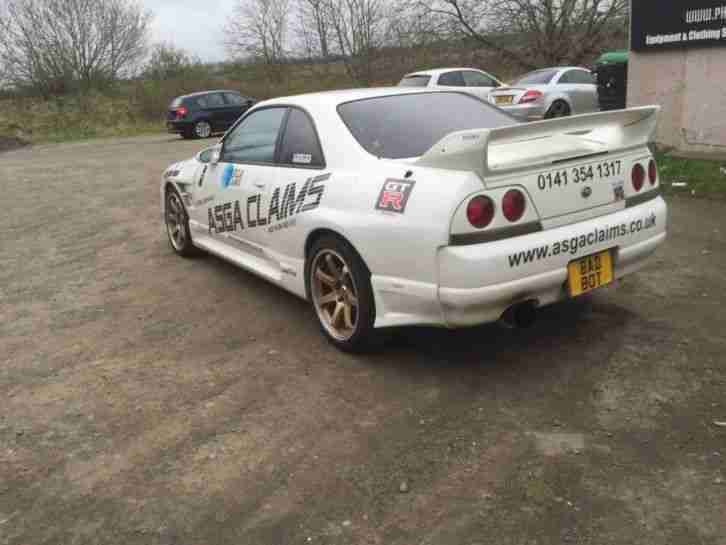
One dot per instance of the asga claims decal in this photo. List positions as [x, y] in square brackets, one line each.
[285, 203]
[394, 195]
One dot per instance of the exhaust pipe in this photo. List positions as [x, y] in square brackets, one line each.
[520, 316]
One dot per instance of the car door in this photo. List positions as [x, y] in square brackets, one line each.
[587, 88]
[298, 189]
[568, 85]
[217, 109]
[479, 84]
[229, 198]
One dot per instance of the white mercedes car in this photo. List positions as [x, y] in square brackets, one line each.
[382, 216]
[469, 80]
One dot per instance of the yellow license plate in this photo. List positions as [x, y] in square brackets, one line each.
[589, 273]
[504, 99]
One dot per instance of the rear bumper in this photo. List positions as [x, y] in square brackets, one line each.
[525, 112]
[178, 126]
[479, 282]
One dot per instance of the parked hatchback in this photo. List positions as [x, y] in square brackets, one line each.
[548, 93]
[199, 115]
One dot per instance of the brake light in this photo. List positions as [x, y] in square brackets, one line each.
[181, 112]
[530, 96]
[480, 211]
[513, 205]
[652, 172]
[638, 176]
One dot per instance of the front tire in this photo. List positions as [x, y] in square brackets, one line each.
[339, 286]
[177, 225]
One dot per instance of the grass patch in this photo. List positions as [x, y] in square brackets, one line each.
[702, 178]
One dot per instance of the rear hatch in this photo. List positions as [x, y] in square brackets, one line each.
[173, 112]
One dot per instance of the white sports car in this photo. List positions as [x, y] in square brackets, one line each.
[392, 207]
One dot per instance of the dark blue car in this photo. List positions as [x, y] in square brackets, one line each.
[199, 115]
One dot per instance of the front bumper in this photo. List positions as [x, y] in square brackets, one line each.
[479, 282]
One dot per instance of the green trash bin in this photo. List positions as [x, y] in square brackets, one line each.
[612, 80]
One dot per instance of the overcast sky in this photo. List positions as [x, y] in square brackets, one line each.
[195, 25]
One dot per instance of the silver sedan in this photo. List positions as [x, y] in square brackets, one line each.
[548, 93]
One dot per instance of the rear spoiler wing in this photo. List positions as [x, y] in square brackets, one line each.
[483, 150]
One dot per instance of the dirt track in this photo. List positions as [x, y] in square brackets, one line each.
[150, 399]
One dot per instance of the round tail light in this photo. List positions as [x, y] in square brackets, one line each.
[638, 176]
[514, 205]
[652, 172]
[480, 211]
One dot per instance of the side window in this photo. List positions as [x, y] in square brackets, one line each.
[580, 76]
[202, 102]
[452, 79]
[567, 77]
[255, 138]
[215, 100]
[300, 146]
[477, 79]
[233, 99]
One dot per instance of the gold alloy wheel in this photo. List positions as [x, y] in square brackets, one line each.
[175, 221]
[334, 294]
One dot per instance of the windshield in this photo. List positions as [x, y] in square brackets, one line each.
[398, 126]
[540, 77]
[414, 81]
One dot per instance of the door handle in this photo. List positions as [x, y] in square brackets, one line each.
[259, 184]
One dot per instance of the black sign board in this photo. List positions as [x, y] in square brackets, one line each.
[658, 24]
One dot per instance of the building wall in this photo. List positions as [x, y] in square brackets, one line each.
[690, 85]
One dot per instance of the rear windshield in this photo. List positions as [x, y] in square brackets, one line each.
[414, 81]
[398, 126]
[176, 102]
[539, 77]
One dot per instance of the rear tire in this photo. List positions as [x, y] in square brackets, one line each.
[339, 286]
[559, 108]
[202, 129]
[177, 225]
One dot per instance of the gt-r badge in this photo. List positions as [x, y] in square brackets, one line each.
[394, 195]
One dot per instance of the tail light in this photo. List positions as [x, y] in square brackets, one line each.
[652, 172]
[638, 176]
[181, 112]
[513, 205]
[480, 211]
[530, 96]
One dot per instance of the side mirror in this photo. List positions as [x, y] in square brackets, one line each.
[210, 155]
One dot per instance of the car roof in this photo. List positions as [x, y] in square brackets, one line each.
[438, 71]
[198, 93]
[338, 97]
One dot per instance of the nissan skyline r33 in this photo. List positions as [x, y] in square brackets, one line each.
[399, 207]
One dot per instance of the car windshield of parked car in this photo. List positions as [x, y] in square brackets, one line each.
[414, 81]
[539, 77]
[399, 126]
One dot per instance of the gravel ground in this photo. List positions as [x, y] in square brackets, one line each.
[151, 399]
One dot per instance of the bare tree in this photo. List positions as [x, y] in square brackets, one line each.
[313, 27]
[56, 45]
[543, 31]
[358, 28]
[259, 29]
